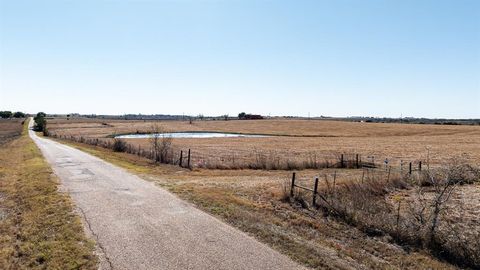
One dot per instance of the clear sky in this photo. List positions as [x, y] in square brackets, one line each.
[338, 57]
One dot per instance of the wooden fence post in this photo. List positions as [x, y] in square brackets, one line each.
[315, 188]
[341, 161]
[388, 177]
[410, 168]
[334, 180]
[356, 162]
[181, 158]
[420, 166]
[293, 185]
[188, 160]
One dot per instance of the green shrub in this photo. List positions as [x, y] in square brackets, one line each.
[40, 122]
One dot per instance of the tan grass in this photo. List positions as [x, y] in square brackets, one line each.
[10, 129]
[251, 201]
[408, 142]
[38, 227]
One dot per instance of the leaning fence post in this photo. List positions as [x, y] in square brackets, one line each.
[181, 157]
[315, 188]
[293, 185]
[188, 160]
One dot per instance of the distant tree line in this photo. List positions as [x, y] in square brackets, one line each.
[412, 120]
[247, 116]
[9, 114]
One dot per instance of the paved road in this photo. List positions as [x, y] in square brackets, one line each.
[138, 225]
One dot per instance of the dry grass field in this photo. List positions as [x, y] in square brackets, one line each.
[38, 226]
[358, 225]
[10, 129]
[251, 200]
[300, 139]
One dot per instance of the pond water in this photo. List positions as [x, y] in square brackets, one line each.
[196, 135]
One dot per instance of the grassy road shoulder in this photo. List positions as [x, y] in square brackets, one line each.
[38, 226]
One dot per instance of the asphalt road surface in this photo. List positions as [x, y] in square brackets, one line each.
[138, 225]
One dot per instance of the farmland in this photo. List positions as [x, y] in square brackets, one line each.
[298, 139]
[382, 206]
[10, 129]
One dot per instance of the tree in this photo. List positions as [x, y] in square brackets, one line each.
[19, 115]
[5, 114]
[242, 115]
[161, 144]
[40, 122]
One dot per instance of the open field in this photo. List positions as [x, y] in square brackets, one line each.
[38, 226]
[10, 129]
[253, 201]
[363, 207]
[302, 140]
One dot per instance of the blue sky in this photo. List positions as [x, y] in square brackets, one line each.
[338, 58]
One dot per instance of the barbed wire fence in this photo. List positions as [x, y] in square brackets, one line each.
[255, 158]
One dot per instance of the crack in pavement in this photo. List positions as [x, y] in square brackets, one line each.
[97, 240]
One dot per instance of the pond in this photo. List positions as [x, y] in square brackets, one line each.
[195, 135]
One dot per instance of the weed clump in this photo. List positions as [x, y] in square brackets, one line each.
[414, 210]
[119, 145]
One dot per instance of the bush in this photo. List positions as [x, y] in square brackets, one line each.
[377, 205]
[119, 145]
[161, 145]
[40, 122]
